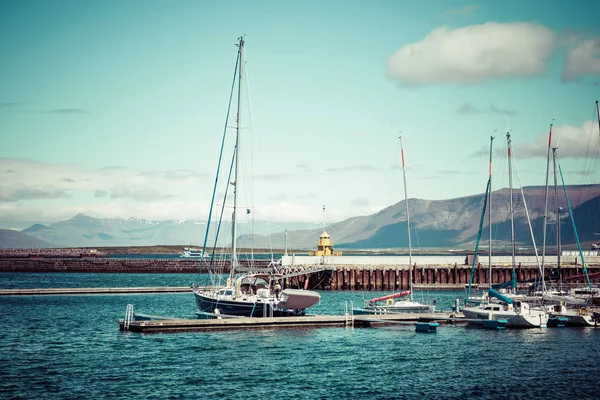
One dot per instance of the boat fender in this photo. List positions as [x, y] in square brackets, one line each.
[389, 302]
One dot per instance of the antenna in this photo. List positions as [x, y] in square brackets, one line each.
[323, 217]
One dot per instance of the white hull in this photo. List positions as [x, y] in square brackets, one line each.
[298, 299]
[531, 318]
[402, 306]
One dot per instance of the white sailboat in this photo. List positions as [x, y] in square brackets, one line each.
[500, 308]
[255, 294]
[405, 302]
[573, 307]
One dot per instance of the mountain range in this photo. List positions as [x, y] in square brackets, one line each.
[451, 223]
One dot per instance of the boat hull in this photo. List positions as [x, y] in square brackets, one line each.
[262, 308]
[476, 316]
[368, 310]
[575, 319]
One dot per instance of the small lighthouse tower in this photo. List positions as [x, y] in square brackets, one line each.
[325, 245]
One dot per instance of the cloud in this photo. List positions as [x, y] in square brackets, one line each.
[138, 193]
[9, 104]
[110, 168]
[362, 201]
[469, 109]
[352, 168]
[10, 171]
[174, 175]
[475, 53]
[100, 194]
[572, 142]
[582, 60]
[68, 111]
[463, 11]
[25, 192]
[69, 180]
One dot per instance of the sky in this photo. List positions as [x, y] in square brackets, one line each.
[117, 109]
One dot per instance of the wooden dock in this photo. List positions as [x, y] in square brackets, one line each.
[310, 321]
[87, 291]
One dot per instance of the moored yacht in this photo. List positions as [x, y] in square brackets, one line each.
[190, 252]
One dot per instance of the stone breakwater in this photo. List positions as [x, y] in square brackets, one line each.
[347, 277]
[117, 265]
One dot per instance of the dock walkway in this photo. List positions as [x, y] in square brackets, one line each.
[105, 290]
[309, 321]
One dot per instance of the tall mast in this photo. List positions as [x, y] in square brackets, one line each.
[490, 218]
[512, 210]
[546, 208]
[234, 260]
[558, 244]
[598, 111]
[410, 277]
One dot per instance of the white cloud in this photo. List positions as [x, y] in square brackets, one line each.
[475, 53]
[582, 60]
[572, 142]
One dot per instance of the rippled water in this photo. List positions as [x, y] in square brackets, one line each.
[71, 347]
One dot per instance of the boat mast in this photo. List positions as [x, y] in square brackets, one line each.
[410, 276]
[546, 209]
[598, 111]
[512, 210]
[490, 219]
[558, 244]
[234, 260]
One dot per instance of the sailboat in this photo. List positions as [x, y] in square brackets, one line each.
[500, 308]
[569, 308]
[405, 302]
[254, 294]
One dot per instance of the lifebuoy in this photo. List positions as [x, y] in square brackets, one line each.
[389, 302]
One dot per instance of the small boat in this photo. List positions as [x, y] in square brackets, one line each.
[518, 314]
[573, 317]
[390, 305]
[190, 252]
[406, 304]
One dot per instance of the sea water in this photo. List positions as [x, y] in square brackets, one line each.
[70, 347]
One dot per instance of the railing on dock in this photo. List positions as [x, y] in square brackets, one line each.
[128, 316]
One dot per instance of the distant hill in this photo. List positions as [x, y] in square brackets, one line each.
[451, 223]
[454, 223]
[85, 231]
[10, 239]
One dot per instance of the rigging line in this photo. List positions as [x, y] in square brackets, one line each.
[248, 98]
[574, 228]
[393, 173]
[537, 259]
[476, 255]
[223, 208]
[219, 162]
[249, 189]
[589, 158]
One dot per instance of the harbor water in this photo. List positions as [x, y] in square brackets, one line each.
[70, 347]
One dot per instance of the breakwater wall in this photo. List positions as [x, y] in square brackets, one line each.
[440, 277]
[119, 265]
[344, 277]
